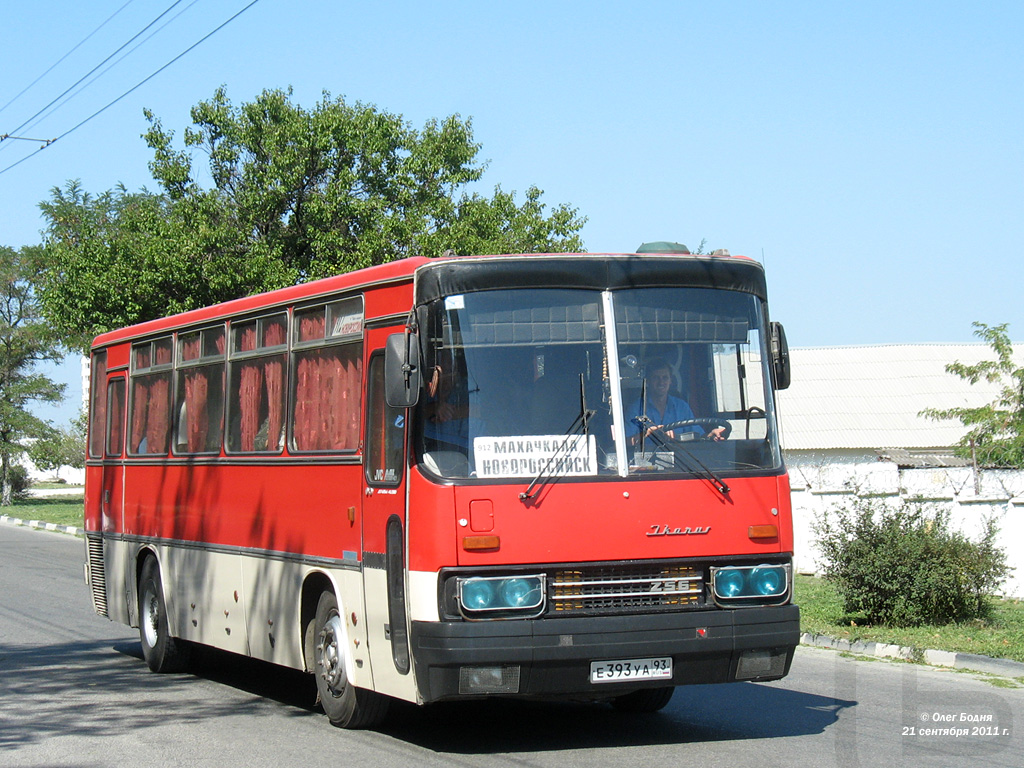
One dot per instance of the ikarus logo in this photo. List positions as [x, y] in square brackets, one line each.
[667, 530]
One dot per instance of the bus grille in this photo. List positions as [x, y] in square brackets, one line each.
[97, 575]
[619, 589]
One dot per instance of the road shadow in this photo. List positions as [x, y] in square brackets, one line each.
[699, 713]
[99, 686]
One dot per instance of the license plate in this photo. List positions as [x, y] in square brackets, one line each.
[631, 669]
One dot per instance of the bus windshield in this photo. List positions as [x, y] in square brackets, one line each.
[634, 382]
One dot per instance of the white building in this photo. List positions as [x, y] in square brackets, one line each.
[851, 426]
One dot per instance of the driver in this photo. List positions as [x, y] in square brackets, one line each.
[663, 408]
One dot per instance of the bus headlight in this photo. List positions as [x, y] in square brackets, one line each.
[491, 596]
[767, 580]
[751, 584]
[729, 582]
[477, 594]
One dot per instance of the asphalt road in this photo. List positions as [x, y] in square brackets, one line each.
[75, 692]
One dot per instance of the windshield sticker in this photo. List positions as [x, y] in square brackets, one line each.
[529, 455]
[455, 302]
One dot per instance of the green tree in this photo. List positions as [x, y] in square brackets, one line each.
[61, 447]
[292, 195]
[25, 340]
[995, 431]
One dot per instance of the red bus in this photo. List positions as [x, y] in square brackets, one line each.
[439, 479]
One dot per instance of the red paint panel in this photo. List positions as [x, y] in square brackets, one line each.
[580, 522]
[289, 507]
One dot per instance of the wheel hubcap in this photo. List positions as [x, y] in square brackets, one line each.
[332, 661]
[150, 617]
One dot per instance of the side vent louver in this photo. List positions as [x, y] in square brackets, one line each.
[97, 576]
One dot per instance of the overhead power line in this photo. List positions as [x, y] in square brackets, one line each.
[6, 136]
[113, 64]
[83, 77]
[134, 87]
[58, 61]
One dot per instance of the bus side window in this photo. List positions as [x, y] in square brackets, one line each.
[385, 431]
[328, 381]
[256, 387]
[200, 403]
[115, 418]
[150, 424]
[98, 410]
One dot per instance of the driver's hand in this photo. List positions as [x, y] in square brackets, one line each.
[716, 434]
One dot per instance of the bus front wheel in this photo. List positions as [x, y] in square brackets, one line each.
[162, 652]
[345, 705]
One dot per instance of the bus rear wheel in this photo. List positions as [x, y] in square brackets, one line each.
[345, 705]
[162, 652]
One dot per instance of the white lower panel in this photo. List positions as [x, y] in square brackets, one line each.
[422, 596]
[253, 606]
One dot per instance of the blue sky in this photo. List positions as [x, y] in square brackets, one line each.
[869, 154]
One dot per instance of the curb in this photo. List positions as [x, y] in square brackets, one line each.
[967, 661]
[41, 526]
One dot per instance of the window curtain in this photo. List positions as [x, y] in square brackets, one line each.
[151, 413]
[115, 438]
[202, 415]
[99, 404]
[327, 398]
[273, 371]
[261, 381]
[197, 417]
[197, 420]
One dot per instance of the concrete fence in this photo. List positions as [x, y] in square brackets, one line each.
[820, 482]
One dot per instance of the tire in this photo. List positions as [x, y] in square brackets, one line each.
[345, 705]
[644, 701]
[162, 652]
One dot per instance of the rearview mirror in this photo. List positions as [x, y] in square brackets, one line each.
[780, 356]
[402, 377]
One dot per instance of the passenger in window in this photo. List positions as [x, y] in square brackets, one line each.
[446, 412]
[663, 408]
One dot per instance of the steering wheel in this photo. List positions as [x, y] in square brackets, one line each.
[706, 424]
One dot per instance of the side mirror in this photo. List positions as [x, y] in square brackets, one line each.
[780, 356]
[402, 376]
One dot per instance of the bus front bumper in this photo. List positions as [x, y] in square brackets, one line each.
[554, 656]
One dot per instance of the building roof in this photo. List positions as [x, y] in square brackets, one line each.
[869, 397]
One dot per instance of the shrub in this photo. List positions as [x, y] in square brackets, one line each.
[902, 565]
[17, 475]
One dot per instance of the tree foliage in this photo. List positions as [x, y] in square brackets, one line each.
[62, 446]
[25, 340]
[995, 431]
[287, 195]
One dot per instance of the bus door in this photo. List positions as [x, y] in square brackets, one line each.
[112, 496]
[384, 519]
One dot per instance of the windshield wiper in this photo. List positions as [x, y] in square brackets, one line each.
[579, 426]
[680, 454]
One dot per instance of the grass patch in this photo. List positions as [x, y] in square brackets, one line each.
[1001, 635]
[61, 510]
